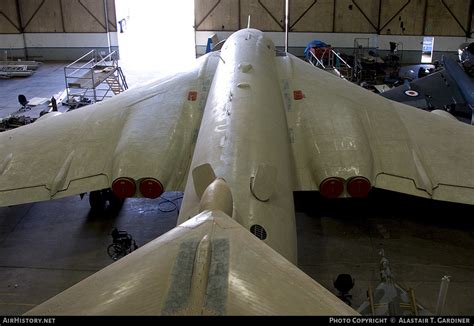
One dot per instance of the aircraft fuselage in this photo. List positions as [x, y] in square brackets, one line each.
[244, 137]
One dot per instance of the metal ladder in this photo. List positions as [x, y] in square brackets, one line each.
[332, 62]
[117, 82]
[93, 78]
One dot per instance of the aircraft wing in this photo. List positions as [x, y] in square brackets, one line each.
[339, 130]
[146, 132]
[209, 265]
[450, 88]
[433, 91]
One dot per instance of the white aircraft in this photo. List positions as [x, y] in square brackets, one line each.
[238, 133]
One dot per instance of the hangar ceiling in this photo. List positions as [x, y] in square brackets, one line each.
[395, 17]
[56, 16]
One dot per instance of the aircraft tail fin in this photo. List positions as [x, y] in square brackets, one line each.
[463, 81]
[209, 265]
[248, 22]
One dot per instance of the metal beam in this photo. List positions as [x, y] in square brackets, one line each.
[287, 21]
[393, 17]
[271, 15]
[18, 13]
[469, 19]
[210, 12]
[22, 29]
[93, 16]
[379, 18]
[365, 16]
[112, 24]
[240, 14]
[425, 13]
[303, 14]
[465, 30]
[10, 21]
[62, 15]
[32, 16]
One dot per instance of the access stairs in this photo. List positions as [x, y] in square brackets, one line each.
[93, 78]
[330, 61]
[115, 85]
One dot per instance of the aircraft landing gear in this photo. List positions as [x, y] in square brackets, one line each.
[105, 199]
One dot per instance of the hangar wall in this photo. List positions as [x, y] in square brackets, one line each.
[56, 29]
[66, 29]
[340, 22]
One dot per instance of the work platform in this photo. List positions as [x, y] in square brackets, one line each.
[93, 78]
[327, 59]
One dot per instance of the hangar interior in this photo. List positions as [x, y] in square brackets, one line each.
[47, 247]
[341, 22]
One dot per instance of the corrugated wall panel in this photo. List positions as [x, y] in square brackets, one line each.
[9, 23]
[447, 17]
[87, 16]
[266, 15]
[56, 16]
[402, 17]
[387, 17]
[216, 15]
[356, 16]
[41, 16]
[311, 16]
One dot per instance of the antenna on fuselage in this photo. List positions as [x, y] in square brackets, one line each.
[248, 22]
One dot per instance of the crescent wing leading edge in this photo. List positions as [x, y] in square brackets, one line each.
[145, 132]
[340, 130]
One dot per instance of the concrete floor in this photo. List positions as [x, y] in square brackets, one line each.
[47, 81]
[423, 240]
[47, 247]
